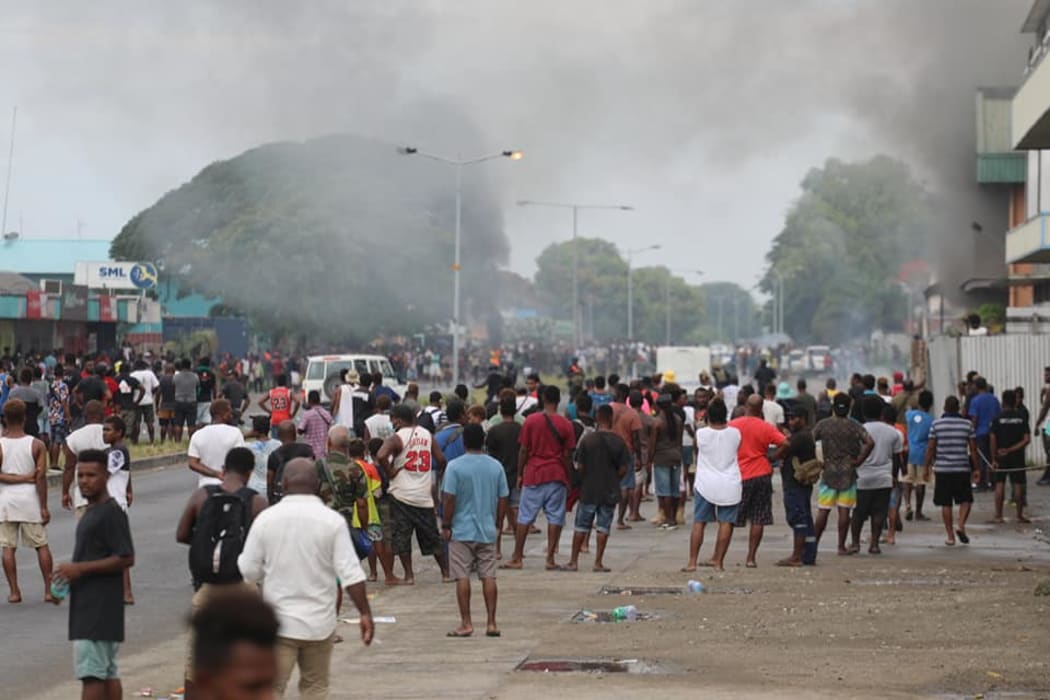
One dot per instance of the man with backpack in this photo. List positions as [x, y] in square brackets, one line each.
[215, 524]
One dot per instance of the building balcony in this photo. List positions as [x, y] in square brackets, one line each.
[1029, 242]
[1030, 113]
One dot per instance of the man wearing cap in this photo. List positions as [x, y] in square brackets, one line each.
[342, 402]
[845, 445]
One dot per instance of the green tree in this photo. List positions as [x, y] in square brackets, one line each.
[602, 275]
[842, 246]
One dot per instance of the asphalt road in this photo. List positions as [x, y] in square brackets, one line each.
[35, 633]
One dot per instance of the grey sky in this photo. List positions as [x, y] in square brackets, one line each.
[703, 114]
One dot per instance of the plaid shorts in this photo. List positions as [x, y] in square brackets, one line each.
[756, 501]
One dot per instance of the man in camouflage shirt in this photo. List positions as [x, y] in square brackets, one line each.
[343, 482]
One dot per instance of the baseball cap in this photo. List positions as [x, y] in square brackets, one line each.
[840, 404]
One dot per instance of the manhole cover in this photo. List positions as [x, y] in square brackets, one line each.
[586, 616]
[586, 666]
[641, 590]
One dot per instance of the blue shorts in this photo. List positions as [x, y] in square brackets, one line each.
[550, 497]
[586, 514]
[687, 455]
[628, 481]
[706, 512]
[667, 480]
[95, 659]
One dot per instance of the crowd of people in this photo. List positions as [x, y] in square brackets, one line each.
[310, 511]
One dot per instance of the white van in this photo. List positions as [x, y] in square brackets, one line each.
[322, 373]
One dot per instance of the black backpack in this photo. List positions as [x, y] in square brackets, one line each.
[219, 535]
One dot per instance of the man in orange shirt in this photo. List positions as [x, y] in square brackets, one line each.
[756, 472]
[628, 426]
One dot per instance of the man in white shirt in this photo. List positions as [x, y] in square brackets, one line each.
[87, 437]
[300, 551]
[209, 445]
[144, 410]
[772, 412]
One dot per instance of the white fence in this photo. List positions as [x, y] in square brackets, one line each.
[1006, 361]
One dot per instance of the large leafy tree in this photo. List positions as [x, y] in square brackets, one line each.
[333, 240]
[842, 247]
[602, 274]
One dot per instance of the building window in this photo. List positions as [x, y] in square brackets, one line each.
[1041, 293]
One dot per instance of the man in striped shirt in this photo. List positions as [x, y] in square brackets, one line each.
[952, 450]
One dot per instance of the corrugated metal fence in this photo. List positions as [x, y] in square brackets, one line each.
[1006, 361]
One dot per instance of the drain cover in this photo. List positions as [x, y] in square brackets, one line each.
[543, 665]
[641, 590]
[607, 616]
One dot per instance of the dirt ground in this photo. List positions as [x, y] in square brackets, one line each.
[921, 620]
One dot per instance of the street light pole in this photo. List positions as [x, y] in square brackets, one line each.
[577, 330]
[458, 162]
[777, 305]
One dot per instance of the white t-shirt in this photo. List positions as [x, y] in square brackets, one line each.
[118, 478]
[88, 437]
[730, 393]
[877, 470]
[412, 481]
[772, 412]
[210, 445]
[149, 383]
[524, 403]
[717, 470]
[379, 426]
[690, 420]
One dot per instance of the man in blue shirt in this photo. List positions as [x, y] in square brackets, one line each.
[983, 409]
[918, 422]
[474, 498]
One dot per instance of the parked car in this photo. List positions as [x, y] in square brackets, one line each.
[322, 373]
[818, 358]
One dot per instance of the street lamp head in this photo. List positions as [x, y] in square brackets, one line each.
[513, 155]
[626, 207]
[655, 246]
[407, 150]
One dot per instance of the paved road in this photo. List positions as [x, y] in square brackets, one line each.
[160, 581]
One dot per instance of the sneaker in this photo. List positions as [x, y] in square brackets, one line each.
[1045, 481]
[908, 516]
[668, 527]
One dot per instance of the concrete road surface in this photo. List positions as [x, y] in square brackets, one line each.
[35, 632]
[921, 620]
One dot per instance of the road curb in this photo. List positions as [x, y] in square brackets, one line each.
[54, 479]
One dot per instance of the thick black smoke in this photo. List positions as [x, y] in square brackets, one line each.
[702, 113]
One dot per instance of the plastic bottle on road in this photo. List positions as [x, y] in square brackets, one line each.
[625, 612]
[695, 586]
